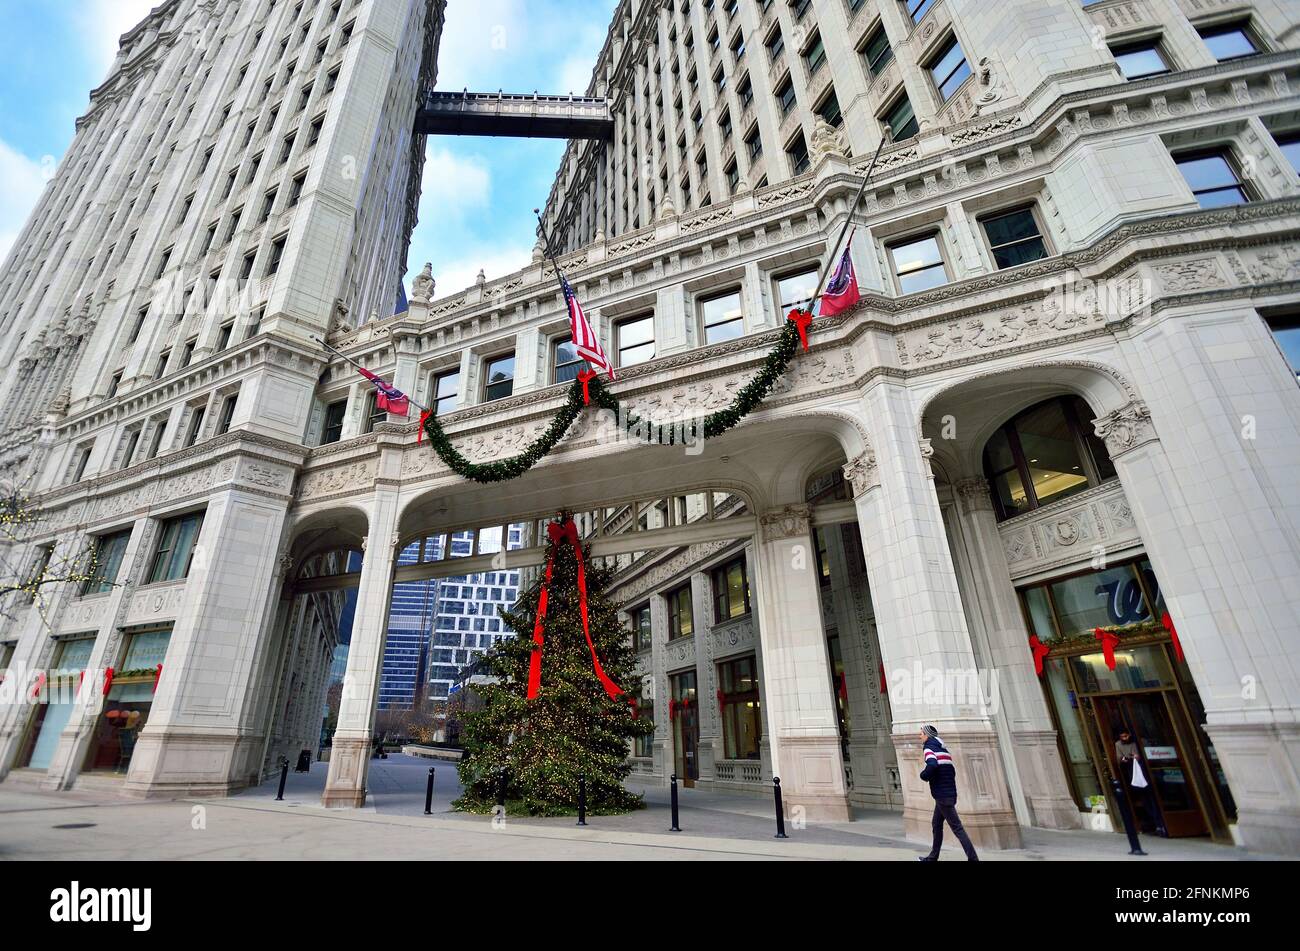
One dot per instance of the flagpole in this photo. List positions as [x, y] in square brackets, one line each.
[410, 399]
[848, 220]
[550, 253]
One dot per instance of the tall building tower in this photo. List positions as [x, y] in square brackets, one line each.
[244, 180]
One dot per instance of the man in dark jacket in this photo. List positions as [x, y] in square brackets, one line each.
[942, 777]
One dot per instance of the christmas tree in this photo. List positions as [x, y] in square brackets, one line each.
[578, 725]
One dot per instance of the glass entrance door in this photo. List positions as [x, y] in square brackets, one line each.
[685, 715]
[1170, 799]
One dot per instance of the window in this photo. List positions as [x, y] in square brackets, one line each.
[161, 367]
[1118, 595]
[795, 290]
[1045, 453]
[1014, 237]
[635, 340]
[775, 43]
[829, 109]
[1212, 177]
[113, 385]
[814, 56]
[1228, 41]
[745, 93]
[1289, 143]
[179, 537]
[1286, 331]
[334, 415]
[267, 207]
[566, 364]
[196, 425]
[916, 9]
[785, 96]
[499, 377]
[155, 441]
[724, 319]
[446, 390]
[641, 629]
[128, 451]
[949, 69]
[738, 707]
[918, 263]
[295, 190]
[797, 150]
[901, 120]
[732, 174]
[227, 414]
[876, 51]
[754, 142]
[681, 618]
[1141, 59]
[277, 255]
[106, 555]
[730, 591]
[223, 335]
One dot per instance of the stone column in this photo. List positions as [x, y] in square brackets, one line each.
[706, 679]
[804, 733]
[998, 625]
[922, 629]
[663, 739]
[350, 755]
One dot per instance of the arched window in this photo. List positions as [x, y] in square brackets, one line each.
[1046, 453]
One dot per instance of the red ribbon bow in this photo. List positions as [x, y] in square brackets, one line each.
[560, 532]
[156, 677]
[1109, 639]
[1040, 650]
[585, 377]
[803, 320]
[1168, 623]
[424, 418]
[108, 681]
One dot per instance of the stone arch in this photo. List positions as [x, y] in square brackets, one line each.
[310, 533]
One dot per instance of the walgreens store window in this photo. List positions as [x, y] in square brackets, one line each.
[131, 687]
[55, 695]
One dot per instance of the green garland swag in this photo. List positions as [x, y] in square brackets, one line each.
[715, 424]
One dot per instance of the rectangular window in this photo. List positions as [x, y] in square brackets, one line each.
[775, 44]
[641, 629]
[499, 377]
[829, 109]
[155, 441]
[1014, 237]
[730, 591]
[785, 96]
[901, 119]
[739, 709]
[1228, 41]
[1289, 143]
[635, 339]
[1141, 59]
[161, 367]
[795, 290]
[105, 562]
[295, 190]
[876, 51]
[446, 393]
[798, 153]
[566, 364]
[754, 142]
[681, 617]
[277, 255]
[175, 553]
[196, 425]
[918, 263]
[227, 414]
[723, 316]
[916, 9]
[949, 69]
[334, 415]
[128, 451]
[814, 56]
[1212, 177]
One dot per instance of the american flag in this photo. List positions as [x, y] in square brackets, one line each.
[584, 338]
[842, 290]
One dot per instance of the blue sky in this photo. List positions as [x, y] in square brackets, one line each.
[479, 193]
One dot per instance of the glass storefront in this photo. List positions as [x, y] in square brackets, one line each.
[130, 698]
[684, 716]
[1144, 714]
[55, 702]
[738, 705]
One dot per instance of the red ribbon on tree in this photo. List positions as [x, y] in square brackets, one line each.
[156, 677]
[559, 533]
[40, 682]
[585, 377]
[108, 681]
[1040, 650]
[424, 418]
[1168, 623]
[803, 320]
[1109, 640]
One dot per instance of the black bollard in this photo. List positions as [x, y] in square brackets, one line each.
[1126, 815]
[428, 795]
[284, 778]
[780, 810]
[582, 802]
[676, 827]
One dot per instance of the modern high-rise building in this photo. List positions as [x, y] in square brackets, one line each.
[1035, 488]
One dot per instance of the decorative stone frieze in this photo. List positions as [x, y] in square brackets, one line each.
[1126, 428]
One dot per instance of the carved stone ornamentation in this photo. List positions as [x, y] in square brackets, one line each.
[862, 473]
[422, 288]
[1126, 428]
[789, 522]
[973, 495]
[827, 140]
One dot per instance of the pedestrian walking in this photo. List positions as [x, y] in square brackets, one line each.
[942, 777]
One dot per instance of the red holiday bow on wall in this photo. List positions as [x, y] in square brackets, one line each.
[1109, 640]
[424, 418]
[559, 533]
[1168, 622]
[803, 320]
[585, 377]
[1040, 650]
[108, 681]
[156, 677]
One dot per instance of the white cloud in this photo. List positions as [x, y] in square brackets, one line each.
[460, 271]
[103, 22]
[21, 183]
[453, 184]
